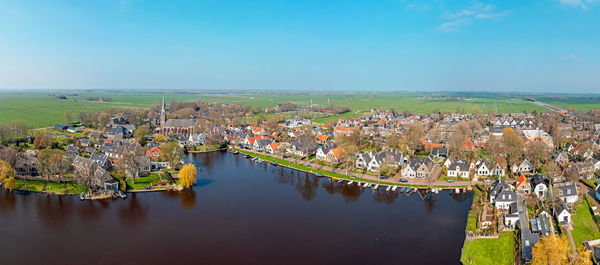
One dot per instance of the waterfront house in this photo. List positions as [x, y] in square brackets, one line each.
[143, 164]
[25, 163]
[336, 156]
[458, 168]
[374, 162]
[196, 139]
[272, 148]
[418, 166]
[302, 148]
[323, 151]
[95, 175]
[568, 193]
[261, 144]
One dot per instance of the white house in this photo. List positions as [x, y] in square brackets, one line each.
[562, 214]
[538, 185]
[458, 168]
[524, 167]
[196, 139]
[568, 193]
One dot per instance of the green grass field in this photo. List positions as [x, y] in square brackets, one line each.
[142, 182]
[490, 251]
[584, 226]
[51, 187]
[42, 110]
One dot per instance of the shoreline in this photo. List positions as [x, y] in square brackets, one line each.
[338, 176]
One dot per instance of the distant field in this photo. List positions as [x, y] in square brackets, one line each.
[41, 110]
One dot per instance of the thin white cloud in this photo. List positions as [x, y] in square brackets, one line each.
[571, 57]
[464, 17]
[453, 25]
[583, 4]
[417, 7]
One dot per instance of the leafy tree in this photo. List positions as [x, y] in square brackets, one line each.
[131, 166]
[10, 183]
[159, 138]
[6, 170]
[414, 132]
[513, 143]
[173, 153]
[187, 175]
[42, 141]
[551, 250]
[68, 116]
[583, 256]
[142, 132]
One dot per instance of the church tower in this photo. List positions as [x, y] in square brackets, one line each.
[163, 115]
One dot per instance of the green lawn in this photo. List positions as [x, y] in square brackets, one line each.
[584, 226]
[142, 182]
[54, 187]
[490, 251]
[328, 173]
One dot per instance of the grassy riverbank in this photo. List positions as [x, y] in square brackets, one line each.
[305, 168]
[49, 187]
[490, 250]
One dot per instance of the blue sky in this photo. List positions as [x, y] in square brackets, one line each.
[537, 46]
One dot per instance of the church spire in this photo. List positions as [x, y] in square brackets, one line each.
[163, 114]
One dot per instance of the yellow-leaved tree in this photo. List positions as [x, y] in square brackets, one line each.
[551, 250]
[187, 175]
[583, 256]
[9, 183]
[6, 170]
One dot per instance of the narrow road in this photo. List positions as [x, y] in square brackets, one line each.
[570, 238]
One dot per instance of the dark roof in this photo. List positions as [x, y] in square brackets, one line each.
[568, 190]
[461, 164]
[536, 179]
[179, 123]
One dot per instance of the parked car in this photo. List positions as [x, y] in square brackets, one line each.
[403, 180]
[450, 180]
[383, 177]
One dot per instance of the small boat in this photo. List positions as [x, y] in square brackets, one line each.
[82, 196]
[340, 181]
[319, 175]
[350, 182]
[247, 156]
[394, 188]
[366, 185]
[457, 190]
[376, 187]
[388, 188]
[402, 189]
[235, 152]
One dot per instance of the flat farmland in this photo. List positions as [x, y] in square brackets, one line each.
[42, 110]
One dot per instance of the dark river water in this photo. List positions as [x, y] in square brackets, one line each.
[240, 212]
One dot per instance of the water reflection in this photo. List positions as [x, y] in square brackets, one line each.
[188, 198]
[240, 217]
[307, 186]
[7, 202]
[54, 211]
[387, 197]
[133, 213]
